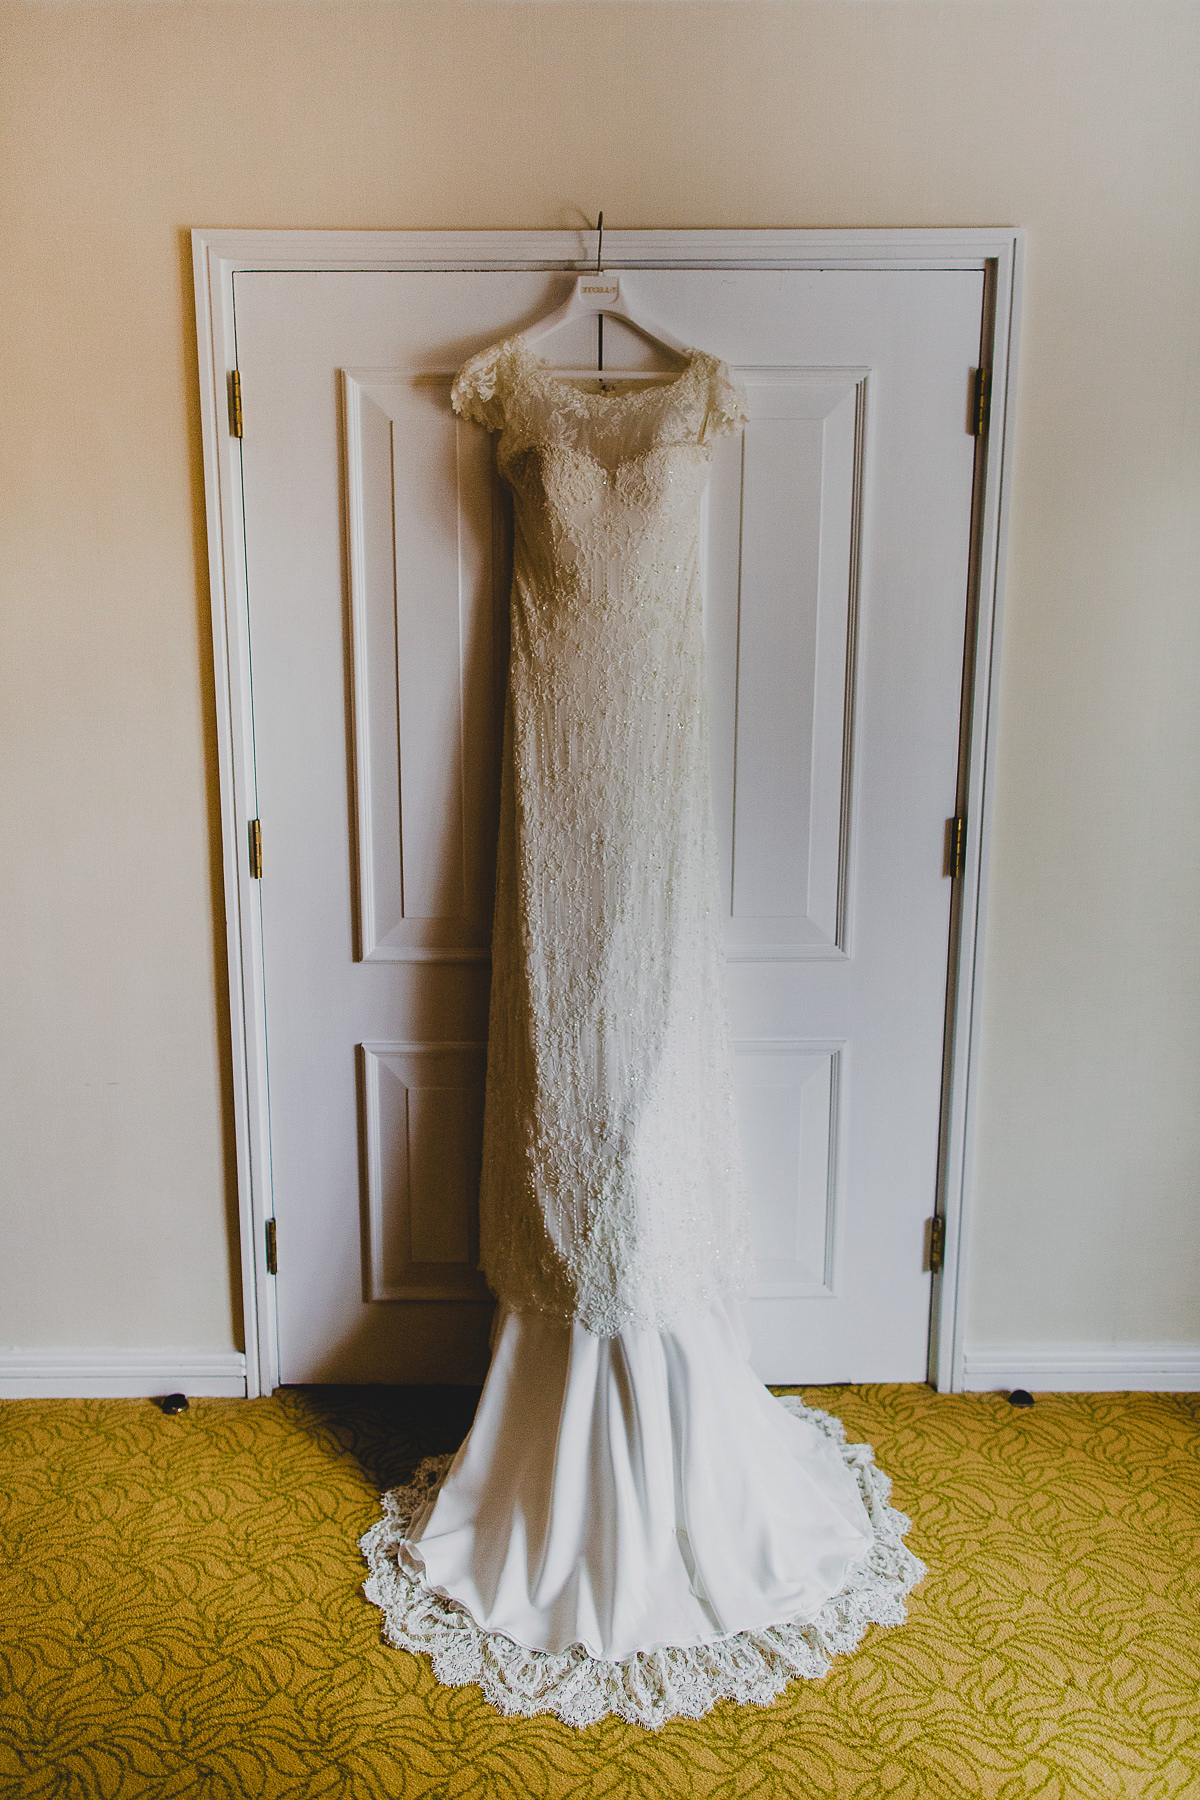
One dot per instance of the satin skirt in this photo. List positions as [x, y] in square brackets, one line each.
[636, 1492]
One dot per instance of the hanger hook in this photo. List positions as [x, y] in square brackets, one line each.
[599, 239]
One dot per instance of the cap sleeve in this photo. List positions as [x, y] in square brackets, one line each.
[477, 393]
[727, 409]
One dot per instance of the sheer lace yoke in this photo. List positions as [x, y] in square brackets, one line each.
[510, 389]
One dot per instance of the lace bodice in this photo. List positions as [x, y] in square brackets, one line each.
[612, 1190]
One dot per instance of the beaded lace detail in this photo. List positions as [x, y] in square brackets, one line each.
[653, 1686]
[612, 1191]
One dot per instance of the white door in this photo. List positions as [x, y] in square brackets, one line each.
[837, 560]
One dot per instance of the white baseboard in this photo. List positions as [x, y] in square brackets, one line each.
[1083, 1368]
[86, 1374]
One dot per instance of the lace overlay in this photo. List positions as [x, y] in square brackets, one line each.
[612, 1189]
[655, 1686]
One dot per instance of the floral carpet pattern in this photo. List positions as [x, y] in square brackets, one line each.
[181, 1616]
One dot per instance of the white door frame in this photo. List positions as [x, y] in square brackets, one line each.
[217, 257]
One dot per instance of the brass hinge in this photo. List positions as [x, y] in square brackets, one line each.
[235, 403]
[981, 401]
[958, 846]
[272, 1260]
[254, 828]
[936, 1249]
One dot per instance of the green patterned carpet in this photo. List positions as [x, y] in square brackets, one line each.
[180, 1615]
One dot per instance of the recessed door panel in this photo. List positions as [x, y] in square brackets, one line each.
[790, 506]
[789, 1097]
[423, 1117]
[423, 559]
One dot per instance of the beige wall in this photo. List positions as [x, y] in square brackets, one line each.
[126, 124]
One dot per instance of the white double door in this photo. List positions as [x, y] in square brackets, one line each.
[837, 549]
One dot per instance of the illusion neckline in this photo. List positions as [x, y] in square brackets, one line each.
[539, 366]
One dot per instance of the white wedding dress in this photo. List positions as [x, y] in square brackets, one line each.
[634, 1524]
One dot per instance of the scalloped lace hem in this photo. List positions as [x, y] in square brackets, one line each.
[651, 1687]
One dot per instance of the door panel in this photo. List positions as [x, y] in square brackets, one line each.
[423, 1112]
[788, 1103]
[836, 555]
[425, 554]
[790, 511]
